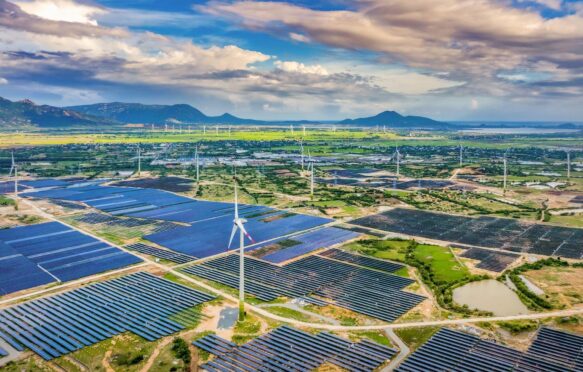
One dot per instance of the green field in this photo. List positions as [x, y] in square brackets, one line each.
[442, 261]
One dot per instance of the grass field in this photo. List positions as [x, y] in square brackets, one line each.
[443, 263]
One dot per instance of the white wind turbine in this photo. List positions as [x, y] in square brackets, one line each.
[568, 164]
[397, 156]
[302, 153]
[197, 163]
[461, 156]
[14, 168]
[505, 160]
[238, 224]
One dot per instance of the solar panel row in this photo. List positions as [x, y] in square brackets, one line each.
[490, 260]
[59, 324]
[289, 349]
[160, 253]
[562, 347]
[356, 259]
[210, 237]
[366, 291]
[309, 242]
[501, 233]
[450, 350]
[40, 254]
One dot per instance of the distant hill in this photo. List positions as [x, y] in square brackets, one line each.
[21, 114]
[157, 114]
[393, 119]
[26, 113]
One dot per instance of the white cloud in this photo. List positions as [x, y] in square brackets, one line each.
[3, 81]
[61, 10]
[470, 39]
[299, 37]
[293, 66]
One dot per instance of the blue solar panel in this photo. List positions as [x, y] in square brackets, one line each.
[210, 237]
[310, 241]
[40, 254]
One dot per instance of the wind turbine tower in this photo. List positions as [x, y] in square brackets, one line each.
[568, 164]
[505, 172]
[304, 130]
[398, 159]
[461, 156]
[312, 178]
[197, 164]
[238, 224]
[14, 168]
[139, 161]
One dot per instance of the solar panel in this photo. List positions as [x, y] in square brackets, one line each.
[286, 349]
[140, 303]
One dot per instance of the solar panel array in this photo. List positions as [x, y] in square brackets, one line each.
[562, 347]
[450, 350]
[307, 242]
[40, 254]
[211, 222]
[357, 259]
[211, 236]
[370, 292]
[490, 260]
[178, 258]
[289, 349]
[491, 232]
[141, 303]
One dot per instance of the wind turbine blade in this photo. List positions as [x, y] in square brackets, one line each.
[244, 231]
[233, 232]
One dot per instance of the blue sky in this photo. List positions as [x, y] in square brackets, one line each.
[515, 60]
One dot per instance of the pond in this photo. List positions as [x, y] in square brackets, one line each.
[490, 295]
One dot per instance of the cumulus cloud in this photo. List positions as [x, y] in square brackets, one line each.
[61, 10]
[293, 66]
[470, 39]
[3, 81]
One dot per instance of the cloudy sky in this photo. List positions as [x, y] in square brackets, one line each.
[515, 60]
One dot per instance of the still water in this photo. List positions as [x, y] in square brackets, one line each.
[490, 295]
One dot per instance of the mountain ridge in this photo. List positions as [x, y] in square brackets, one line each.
[26, 113]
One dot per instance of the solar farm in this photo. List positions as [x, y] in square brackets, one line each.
[140, 303]
[289, 349]
[52, 252]
[490, 232]
[451, 350]
[346, 267]
[321, 281]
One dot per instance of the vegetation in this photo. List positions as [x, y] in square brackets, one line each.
[415, 337]
[519, 326]
[530, 299]
[181, 350]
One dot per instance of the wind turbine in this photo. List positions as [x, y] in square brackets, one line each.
[505, 160]
[238, 224]
[397, 156]
[139, 160]
[304, 130]
[14, 168]
[197, 163]
[568, 164]
[461, 156]
[311, 167]
[302, 153]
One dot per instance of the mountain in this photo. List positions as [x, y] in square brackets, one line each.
[393, 119]
[27, 113]
[156, 114]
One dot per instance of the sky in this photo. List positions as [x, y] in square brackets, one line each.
[463, 60]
